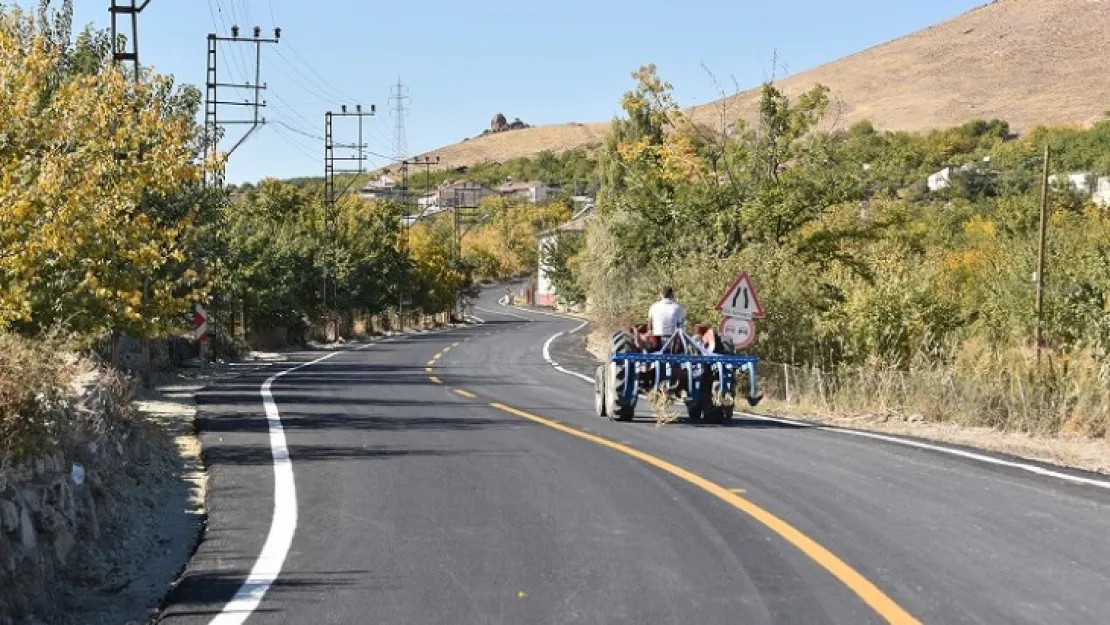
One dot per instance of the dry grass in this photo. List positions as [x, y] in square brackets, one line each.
[505, 146]
[37, 396]
[1002, 390]
[663, 407]
[1030, 62]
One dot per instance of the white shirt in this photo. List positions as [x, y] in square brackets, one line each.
[666, 316]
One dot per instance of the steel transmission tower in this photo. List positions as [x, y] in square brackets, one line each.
[400, 141]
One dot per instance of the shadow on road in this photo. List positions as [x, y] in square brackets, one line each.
[206, 593]
[261, 455]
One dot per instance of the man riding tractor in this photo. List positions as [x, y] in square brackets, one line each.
[661, 356]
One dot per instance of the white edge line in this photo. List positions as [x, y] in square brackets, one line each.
[284, 522]
[521, 317]
[1030, 468]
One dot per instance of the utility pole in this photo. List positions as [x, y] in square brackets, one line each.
[1039, 331]
[465, 211]
[427, 162]
[332, 156]
[399, 98]
[212, 102]
[122, 52]
[126, 51]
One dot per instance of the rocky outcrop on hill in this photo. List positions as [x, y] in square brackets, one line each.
[500, 123]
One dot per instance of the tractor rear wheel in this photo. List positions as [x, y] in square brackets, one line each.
[693, 410]
[615, 408]
[622, 342]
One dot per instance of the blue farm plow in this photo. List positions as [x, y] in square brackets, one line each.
[702, 370]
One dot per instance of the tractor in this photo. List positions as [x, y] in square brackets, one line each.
[701, 370]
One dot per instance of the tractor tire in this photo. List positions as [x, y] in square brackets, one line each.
[614, 408]
[726, 414]
[600, 398]
[693, 410]
[703, 404]
[621, 342]
[719, 415]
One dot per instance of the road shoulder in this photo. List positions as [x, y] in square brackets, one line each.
[1083, 457]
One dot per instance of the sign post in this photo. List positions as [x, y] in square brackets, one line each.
[740, 307]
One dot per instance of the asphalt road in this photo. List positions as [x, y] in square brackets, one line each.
[469, 501]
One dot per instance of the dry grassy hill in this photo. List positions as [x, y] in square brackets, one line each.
[1030, 62]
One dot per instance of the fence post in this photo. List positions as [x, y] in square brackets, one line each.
[786, 377]
[821, 387]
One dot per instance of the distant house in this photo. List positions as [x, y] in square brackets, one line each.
[1102, 192]
[534, 192]
[545, 293]
[940, 180]
[1079, 181]
[449, 195]
[384, 188]
[943, 179]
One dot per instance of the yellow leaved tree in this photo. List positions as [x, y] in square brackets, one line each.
[86, 160]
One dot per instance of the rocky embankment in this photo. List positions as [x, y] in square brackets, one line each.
[96, 508]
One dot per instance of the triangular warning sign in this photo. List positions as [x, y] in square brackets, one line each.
[740, 300]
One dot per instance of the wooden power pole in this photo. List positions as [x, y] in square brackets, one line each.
[1039, 331]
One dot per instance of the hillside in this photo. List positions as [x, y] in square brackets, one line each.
[1030, 62]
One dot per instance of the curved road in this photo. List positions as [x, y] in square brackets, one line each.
[457, 486]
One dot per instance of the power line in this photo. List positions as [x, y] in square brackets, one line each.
[296, 145]
[302, 82]
[323, 81]
[246, 11]
[236, 52]
[297, 130]
[327, 86]
[282, 103]
[219, 24]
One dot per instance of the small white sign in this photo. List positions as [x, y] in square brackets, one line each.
[740, 331]
[740, 300]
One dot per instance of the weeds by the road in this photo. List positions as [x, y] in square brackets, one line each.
[984, 387]
[662, 408]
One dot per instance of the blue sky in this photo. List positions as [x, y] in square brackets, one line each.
[464, 62]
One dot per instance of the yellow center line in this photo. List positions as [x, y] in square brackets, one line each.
[435, 380]
[857, 583]
[431, 362]
[466, 394]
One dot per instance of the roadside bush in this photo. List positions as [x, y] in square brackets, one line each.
[51, 400]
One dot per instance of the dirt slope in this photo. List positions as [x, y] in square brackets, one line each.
[1029, 62]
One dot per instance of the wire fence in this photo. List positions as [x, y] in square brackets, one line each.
[1050, 402]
